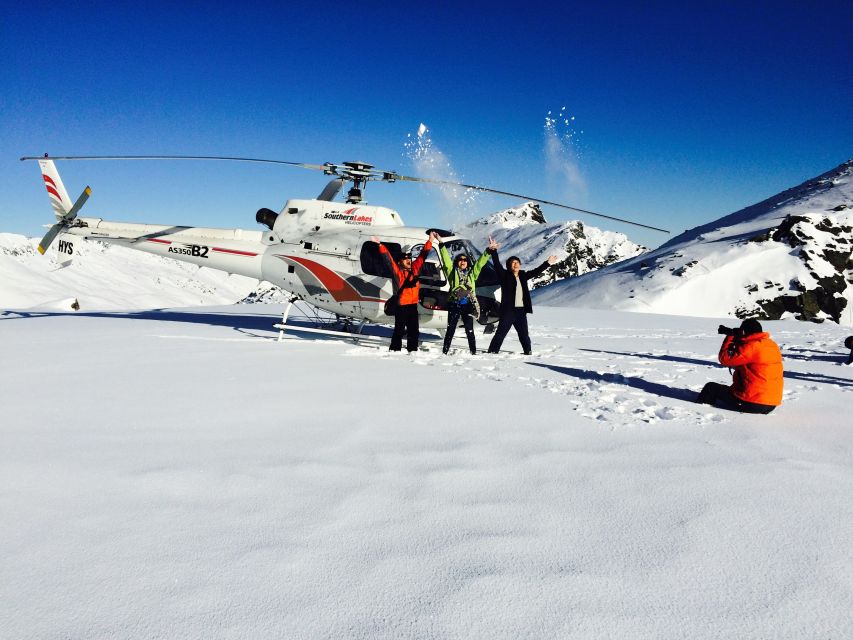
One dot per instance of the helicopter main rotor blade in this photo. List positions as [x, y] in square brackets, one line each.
[316, 167]
[523, 197]
[351, 171]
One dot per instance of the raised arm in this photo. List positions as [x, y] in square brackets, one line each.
[734, 354]
[446, 263]
[538, 271]
[389, 259]
[497, 262]
[419, 263]
[484, 258]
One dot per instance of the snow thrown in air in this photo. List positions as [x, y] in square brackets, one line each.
[429, 161]
[563, 152]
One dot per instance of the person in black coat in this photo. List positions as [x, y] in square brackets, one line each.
[515, 300]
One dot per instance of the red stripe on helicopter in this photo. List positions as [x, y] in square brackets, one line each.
[47, 178]
[234, 252]
[53, 192]
[158, 240]
[341, 290]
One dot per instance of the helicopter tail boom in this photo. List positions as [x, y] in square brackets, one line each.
[233, 250]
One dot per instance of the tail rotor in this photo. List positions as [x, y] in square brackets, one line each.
[64, 222]
[63, 209]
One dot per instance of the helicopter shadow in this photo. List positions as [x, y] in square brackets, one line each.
[251, 325]
[792, 375]
[654, 388]
[259, 326]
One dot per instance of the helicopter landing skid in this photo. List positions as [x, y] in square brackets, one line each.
[354, 335]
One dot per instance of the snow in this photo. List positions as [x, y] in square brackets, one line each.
[721, 268]
[101, 276]
[172, 470]
[180, 473]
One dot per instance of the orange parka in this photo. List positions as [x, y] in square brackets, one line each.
[410, 294]
[757, 364]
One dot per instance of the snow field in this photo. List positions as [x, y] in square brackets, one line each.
[185, 475]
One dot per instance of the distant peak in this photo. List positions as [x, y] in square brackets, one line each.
[527, 213]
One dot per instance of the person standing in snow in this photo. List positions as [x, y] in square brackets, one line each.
[515, 300]
[756, 364]
[462, 300]
[407, 288]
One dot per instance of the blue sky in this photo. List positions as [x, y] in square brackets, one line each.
[683, 113]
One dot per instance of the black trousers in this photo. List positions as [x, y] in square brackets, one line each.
[454, 313]
[515, 317]
[720, 396]
[405, 320]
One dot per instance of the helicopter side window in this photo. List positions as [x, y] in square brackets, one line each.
[373, 262]
[488, 275]
[431, 273]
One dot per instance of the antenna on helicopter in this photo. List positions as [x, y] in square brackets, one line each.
[359, 174]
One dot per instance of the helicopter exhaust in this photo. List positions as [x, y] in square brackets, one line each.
[266, 217]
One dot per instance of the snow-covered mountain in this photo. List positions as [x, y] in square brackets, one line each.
[789, 255]
[524, 232]
[105, 276]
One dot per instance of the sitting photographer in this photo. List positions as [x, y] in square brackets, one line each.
[757, 371]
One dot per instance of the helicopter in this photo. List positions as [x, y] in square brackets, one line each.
[318, 250]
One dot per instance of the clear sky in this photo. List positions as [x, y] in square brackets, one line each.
[683, 112]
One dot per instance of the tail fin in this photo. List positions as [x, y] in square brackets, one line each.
[63, 208]
[59, 199]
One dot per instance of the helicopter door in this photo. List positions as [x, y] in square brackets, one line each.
[377, 272]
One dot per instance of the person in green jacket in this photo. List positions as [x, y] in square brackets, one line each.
[462, 300]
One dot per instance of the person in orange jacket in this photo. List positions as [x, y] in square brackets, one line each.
[407, 289]
[757, 371]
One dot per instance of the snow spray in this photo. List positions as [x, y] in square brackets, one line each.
[457, 203]
[563, 152]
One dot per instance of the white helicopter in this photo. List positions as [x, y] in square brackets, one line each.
[317, 250]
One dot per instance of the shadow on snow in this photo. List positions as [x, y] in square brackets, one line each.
[655, 388]
[792, 375]
[244, 323]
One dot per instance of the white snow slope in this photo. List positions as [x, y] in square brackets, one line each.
[101, 276]
[730, 266]
[524, 232]
[183, 475]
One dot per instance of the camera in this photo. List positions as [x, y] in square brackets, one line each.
[728, 331]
